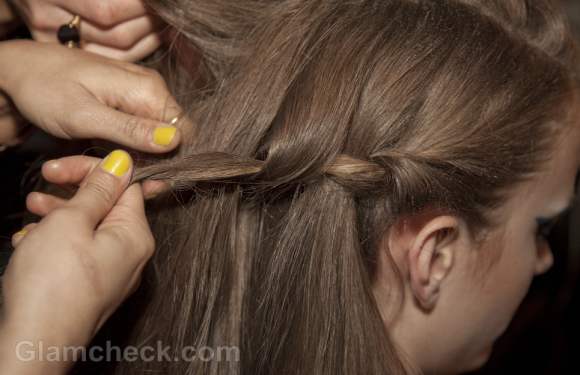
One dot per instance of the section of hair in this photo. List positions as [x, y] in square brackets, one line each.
[331, 121]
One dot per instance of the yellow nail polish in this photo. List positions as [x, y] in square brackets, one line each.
[163, 135]
[117, 163]
[21, 233]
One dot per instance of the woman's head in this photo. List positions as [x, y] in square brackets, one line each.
[463, 293]
[358, 187]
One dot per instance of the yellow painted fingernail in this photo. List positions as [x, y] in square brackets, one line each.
[163, 135]
[21, 233]
[117, 163]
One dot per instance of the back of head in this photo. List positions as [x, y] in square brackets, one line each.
[339, 118]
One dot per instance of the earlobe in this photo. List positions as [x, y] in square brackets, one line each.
[431, 257]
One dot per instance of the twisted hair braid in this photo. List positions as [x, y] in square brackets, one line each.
[353, 174]
[369, 110]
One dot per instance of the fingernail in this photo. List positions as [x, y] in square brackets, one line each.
[117, 163]
[21, 233]
[163, 135]
[52, 164]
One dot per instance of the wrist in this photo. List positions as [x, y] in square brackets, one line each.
[20, 354]
[33, 343]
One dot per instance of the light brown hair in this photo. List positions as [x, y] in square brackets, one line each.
[326, 123]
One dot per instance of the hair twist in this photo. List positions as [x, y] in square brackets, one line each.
[353, 174]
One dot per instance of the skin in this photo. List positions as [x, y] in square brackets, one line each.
[73, 94]
[434, 252]
[59, 288]
[119, 29]
[459, 293]
[453, 295]
[102, 231]
[71, 270]
[71, 170]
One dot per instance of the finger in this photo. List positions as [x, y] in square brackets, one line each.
[69, 170]
[149, 98]
[130, 206]
[105, 13]
[19, 236]
[145, 94]
[104, 122]
[122, 36]
[42, 204]
[152, 188]
[102, 188]
[47, 18]
[44, 36]
[72, 170]
[139, 51]
[125, 229]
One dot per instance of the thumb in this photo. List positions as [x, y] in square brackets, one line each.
[126, 228]
[103, 187]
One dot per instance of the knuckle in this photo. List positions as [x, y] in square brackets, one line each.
[34, 20]
[119, 238]
[38, 20]
[135, 129]
[137, 245]
[154, 79]
[70, 121]
[146, 246]
[154, 88]
[104, 12]
[144, 243]
[149, 247]
[101, 188]
[144, 256]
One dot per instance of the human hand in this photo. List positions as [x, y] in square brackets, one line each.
[70, 171]
[74, 94]
[119, 29]
[71, 271]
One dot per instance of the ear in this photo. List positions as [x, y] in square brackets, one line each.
[430, 258]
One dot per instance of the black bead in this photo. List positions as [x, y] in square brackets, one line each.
[68, 33]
